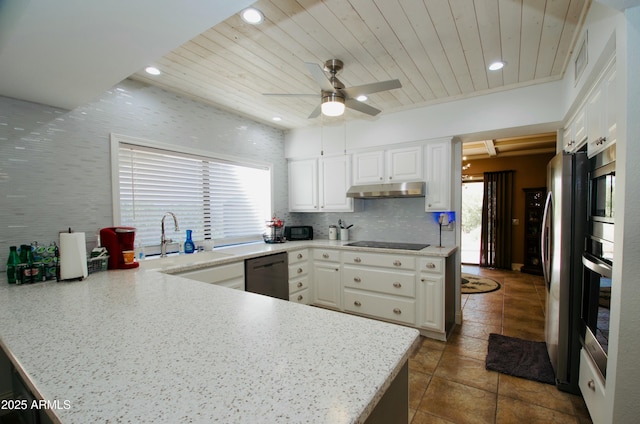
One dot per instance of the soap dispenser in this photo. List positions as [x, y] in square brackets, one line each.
[189, 247]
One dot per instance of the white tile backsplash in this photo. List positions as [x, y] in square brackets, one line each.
[55, 169]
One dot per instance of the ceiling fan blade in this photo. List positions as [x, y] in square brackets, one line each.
[290, 95]
[361, 107]
[321, 78]
[375, 87]
[315, 113]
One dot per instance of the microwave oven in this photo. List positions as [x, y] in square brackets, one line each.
[298, 232]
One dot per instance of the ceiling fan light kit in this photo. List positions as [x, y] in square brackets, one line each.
[332, 104]
[335, 96]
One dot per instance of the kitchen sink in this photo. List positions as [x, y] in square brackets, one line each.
[174, 260]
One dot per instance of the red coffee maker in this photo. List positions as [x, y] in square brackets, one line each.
[117, 240]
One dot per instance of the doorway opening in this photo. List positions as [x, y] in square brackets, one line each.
[471, 221]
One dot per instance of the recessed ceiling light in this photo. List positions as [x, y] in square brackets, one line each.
[362, 98]
[496, 65]
[252, 16]
[277, 118]
[152, 70]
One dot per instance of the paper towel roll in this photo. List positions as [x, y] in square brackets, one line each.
[73, 256]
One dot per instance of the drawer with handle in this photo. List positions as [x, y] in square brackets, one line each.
[401, 310]
[434, 265]
[299, 269]
[326, 255]
[297, 284]
[300, 297]
[379, 259]
[297, 256]
[401, 283]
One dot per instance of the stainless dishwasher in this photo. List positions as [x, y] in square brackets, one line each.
[268, 275]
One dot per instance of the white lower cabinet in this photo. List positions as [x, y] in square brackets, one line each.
[592, 387]
[431, 302]
[326, 278]
[299, 279]
[431, 294]
[380, 285]
[417, 291]
[380, 306]
[231, 275]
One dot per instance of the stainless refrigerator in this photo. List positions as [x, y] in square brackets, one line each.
[563, 242]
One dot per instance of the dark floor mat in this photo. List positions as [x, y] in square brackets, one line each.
[519, 358]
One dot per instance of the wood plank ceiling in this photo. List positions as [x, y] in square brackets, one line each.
[439, 50]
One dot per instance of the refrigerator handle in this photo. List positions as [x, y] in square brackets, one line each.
[544, 238]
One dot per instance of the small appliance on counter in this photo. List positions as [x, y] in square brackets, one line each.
[120, 243]
[73, 256]
[275, 233]
[298, 232]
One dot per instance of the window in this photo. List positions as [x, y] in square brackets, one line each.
[220, 199]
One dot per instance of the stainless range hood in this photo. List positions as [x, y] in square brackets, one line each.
[378, 191]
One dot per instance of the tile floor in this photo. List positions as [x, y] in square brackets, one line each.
[448, 382]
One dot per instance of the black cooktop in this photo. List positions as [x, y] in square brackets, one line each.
[388, 245]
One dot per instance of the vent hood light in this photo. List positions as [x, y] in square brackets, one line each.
[378, 191]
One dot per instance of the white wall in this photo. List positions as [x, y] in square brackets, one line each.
[522, 107]
[55, 164]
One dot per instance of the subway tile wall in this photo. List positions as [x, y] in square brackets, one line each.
[396, 219]
[55, 169]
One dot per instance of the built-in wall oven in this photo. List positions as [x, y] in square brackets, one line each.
[598, 259]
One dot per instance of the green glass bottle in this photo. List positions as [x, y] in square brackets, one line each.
[12, 264]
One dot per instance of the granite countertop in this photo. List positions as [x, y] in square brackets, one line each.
[224, 255]
[143, 346]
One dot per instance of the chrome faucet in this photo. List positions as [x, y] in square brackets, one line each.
[163, 239]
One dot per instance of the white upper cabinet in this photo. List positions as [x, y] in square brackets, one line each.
[602, 117]
[575, 133]
[438, 176]
[405, 164]
[303, 185]
[368, 168]
[320, 185]
[335, 180]
[402, 164]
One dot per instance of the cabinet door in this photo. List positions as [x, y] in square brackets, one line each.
[368, 168]
[602, 117]
[335, 178]
[439, 187]
[303, 185]
[326, 281]
[404, 164]
[431, 302]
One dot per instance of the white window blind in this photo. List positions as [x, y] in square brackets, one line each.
[228, 202]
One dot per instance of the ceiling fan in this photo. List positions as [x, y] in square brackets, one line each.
[335, 96]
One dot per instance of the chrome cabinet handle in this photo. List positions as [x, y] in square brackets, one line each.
[397, 311]
[397, 285]
[591, 385]
[431, 265]
[300, 270]
[300, 284]
[356, 259]
[299, 256]
[357, 279]
[357, 303]
[397, 263]
[325, 255]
